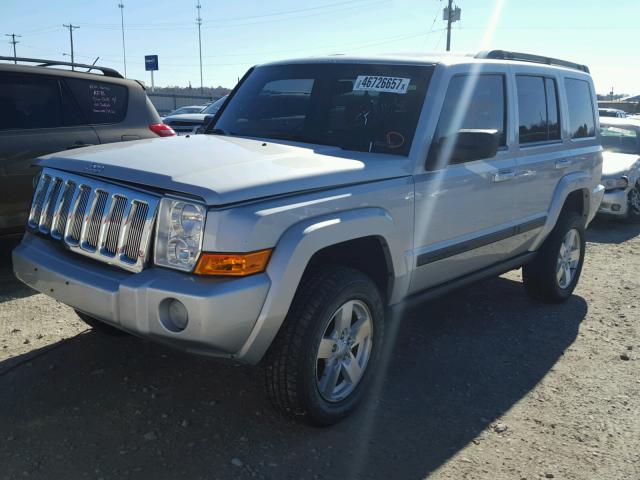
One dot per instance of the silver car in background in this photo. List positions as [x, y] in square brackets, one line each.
[190, 123]
[621, 168]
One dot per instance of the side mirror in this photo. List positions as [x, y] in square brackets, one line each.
[205, 124]
[466, 146]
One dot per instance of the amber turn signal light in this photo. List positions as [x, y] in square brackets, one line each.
[233, 264]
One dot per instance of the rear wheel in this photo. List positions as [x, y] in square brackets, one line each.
[554, 273]
[99, 326]
[320, 364]
[633, 206]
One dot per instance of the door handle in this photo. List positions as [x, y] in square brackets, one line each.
[79, 145]
[503, 176]
[563, 163]
[525, 173]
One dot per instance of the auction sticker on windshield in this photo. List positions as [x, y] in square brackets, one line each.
[374, 83]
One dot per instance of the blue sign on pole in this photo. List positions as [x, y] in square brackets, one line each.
[151, 62]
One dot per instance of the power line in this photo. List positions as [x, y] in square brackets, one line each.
[124, 50]
[199, 22]
[223, 23]
[13, 41]
[71, 27]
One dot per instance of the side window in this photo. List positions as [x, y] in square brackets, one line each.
[484, 110]
[579, 99]
[100, 102]
[538, 117]
[71, 114]
[29, 102]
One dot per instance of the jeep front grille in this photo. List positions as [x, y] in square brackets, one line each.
[107, 222]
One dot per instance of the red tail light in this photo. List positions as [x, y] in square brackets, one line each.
[162, 130]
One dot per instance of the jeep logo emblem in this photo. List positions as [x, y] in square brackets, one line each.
[94, 168]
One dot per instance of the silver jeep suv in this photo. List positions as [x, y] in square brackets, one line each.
[325, 191]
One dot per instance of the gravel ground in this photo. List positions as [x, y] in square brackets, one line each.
[481, 384]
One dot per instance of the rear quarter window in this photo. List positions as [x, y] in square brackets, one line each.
[581, 112]
[101, 102]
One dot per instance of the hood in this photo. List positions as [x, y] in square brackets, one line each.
[617, 163]
[186, 117]
[223, 170]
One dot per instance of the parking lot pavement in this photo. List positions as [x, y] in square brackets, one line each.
[483, 383]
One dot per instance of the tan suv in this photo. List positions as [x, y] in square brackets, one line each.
[45, 110]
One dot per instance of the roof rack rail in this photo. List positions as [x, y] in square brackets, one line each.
[107, 72]
[527, 57]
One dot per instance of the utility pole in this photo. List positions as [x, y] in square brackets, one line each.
[451, 15]
[199, 22]
[71, 28]
[449, 25]
[124, 50]
[14, 41]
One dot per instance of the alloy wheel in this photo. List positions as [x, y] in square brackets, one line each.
[344, 351]
[568, 258]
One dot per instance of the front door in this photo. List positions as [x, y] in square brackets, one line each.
[464, 211]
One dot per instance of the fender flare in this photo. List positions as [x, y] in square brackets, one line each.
[576, 181]
[292, 254]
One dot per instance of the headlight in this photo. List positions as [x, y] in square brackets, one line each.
[179, 234]
[615, 183]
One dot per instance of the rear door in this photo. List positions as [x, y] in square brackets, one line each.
[464, 212]
[555, 138]
[38, 116]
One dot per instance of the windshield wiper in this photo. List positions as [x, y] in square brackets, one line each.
[218, 131]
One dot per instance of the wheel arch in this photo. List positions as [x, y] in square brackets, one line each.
[573, 193]
[332, 237]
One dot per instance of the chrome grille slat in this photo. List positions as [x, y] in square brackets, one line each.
[94, 219]
[61, 214]
[107, 222]
[38, 200]
[114, 224]
[78, 214]
[136, 226]
[49, 206]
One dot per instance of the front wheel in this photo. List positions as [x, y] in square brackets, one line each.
[554, 272]
[633, 205]
[327, 350]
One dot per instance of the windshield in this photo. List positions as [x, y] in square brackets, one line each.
[214, 107]
[364, 107]
[620, 139]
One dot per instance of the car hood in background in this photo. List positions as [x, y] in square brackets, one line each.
[617, 163]
[223, 170]
[186, 117]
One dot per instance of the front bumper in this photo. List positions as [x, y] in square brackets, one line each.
[222, 312]
[614, 203]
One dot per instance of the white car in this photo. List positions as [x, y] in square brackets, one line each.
[190, 123]
[621, 168]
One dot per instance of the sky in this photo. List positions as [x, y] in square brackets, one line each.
[602, 34]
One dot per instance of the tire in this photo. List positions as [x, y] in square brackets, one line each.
[633, 207]
[101, 327]
[298, 374]
[540, 276]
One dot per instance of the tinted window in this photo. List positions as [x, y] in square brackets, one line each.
[355, 107]
[100, 102]
[71, 114]
[620, 139]
[537, 109]
[485, 109]
[29, 102]
[579, 100]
